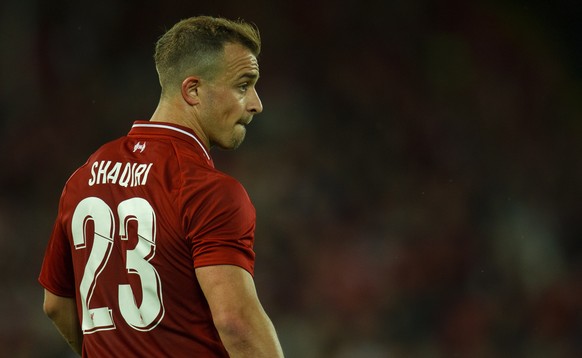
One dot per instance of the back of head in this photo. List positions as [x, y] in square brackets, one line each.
[192, 46]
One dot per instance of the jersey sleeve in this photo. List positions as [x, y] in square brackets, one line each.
[221, 225]
[56, 273]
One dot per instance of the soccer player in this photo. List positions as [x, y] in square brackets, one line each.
[151, 253]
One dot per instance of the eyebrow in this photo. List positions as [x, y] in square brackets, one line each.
[249, 75]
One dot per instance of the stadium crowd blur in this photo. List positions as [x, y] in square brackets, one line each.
[416, 170]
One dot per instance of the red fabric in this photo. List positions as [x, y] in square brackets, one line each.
[190, 215]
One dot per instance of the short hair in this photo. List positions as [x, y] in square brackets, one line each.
[193, 45]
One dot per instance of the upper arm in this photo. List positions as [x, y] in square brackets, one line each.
[230, 292]
[243, 325]
[63, 312]
[55, 305]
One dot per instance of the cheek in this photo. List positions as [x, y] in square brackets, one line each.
[234, 109]
[228, 107]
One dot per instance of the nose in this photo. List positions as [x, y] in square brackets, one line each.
[255, 106]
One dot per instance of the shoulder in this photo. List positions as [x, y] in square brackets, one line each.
[225, 189]
[227, 184]
[216, 193]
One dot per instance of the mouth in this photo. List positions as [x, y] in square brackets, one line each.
[244, 122]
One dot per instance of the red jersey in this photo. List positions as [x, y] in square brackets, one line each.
[133, 223]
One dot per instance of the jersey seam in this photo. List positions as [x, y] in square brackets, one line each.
[181, 188]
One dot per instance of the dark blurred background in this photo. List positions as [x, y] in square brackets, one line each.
[416, 170]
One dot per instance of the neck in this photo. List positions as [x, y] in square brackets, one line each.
[171, 111]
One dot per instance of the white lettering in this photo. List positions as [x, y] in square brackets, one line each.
[92, 180]
[114, 173]
[133, 174]
[138, 173]
[126, 175]
[145, 176]
[102, 172]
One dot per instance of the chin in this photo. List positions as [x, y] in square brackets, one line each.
[233, 144]
[237, 143]
[238, 139]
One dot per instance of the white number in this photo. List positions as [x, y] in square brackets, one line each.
[96, 210]
[151, 310]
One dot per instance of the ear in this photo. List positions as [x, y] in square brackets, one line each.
[190, 90]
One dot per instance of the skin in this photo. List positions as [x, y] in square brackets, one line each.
[243, 326]
[63, 312]
[217, 110]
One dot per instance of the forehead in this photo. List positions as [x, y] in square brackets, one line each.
[239, 60]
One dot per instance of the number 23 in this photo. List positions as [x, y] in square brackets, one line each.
[151, 311]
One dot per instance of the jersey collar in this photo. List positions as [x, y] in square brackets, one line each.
[175, 129]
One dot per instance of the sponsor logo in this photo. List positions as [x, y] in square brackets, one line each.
[139, 146]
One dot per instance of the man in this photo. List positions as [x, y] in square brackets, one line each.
[152, 250]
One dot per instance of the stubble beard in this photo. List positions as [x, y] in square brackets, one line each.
[235, 141]
[238, 139]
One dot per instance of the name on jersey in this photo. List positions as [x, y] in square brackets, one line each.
[125, 174]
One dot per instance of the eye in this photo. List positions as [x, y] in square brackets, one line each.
[244, 87]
